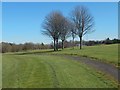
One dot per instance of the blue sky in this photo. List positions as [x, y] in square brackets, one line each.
[22, 21]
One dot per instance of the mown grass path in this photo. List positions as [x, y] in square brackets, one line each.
[104, 53]
[101, 66]
[48, 71]
[54, 76]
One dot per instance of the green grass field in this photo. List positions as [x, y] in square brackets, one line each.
[105, 53]
[47, 71]
[41, 69]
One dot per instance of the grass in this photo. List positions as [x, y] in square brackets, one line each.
[105, 53]
[48, 71]
[40, 69]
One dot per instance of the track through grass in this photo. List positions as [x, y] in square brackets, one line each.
[48, 71]
[104, 53]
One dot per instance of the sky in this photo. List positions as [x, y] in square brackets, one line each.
[22, 21]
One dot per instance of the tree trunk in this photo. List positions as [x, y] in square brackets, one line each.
[62, 44]
[73, 43]
[54, 45]
[80, 42]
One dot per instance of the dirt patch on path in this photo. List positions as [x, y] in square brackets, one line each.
[101, 66]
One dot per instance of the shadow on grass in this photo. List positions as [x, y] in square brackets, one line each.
[37, 52]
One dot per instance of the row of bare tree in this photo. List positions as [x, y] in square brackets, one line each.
[12, 47]
[57, 26]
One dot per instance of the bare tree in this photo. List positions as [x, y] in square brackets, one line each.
[73, 32]
[83, 21]
[52, 26]
[65, 30]
[0, 47]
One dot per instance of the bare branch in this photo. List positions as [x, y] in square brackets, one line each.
[82, 20]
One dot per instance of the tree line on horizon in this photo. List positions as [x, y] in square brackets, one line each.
[58, 27]
[12, 47]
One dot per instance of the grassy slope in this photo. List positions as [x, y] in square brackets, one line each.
[106, 53]
[49, 71]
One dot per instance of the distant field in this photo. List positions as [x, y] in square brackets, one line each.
[105, 53]
[48, 71]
